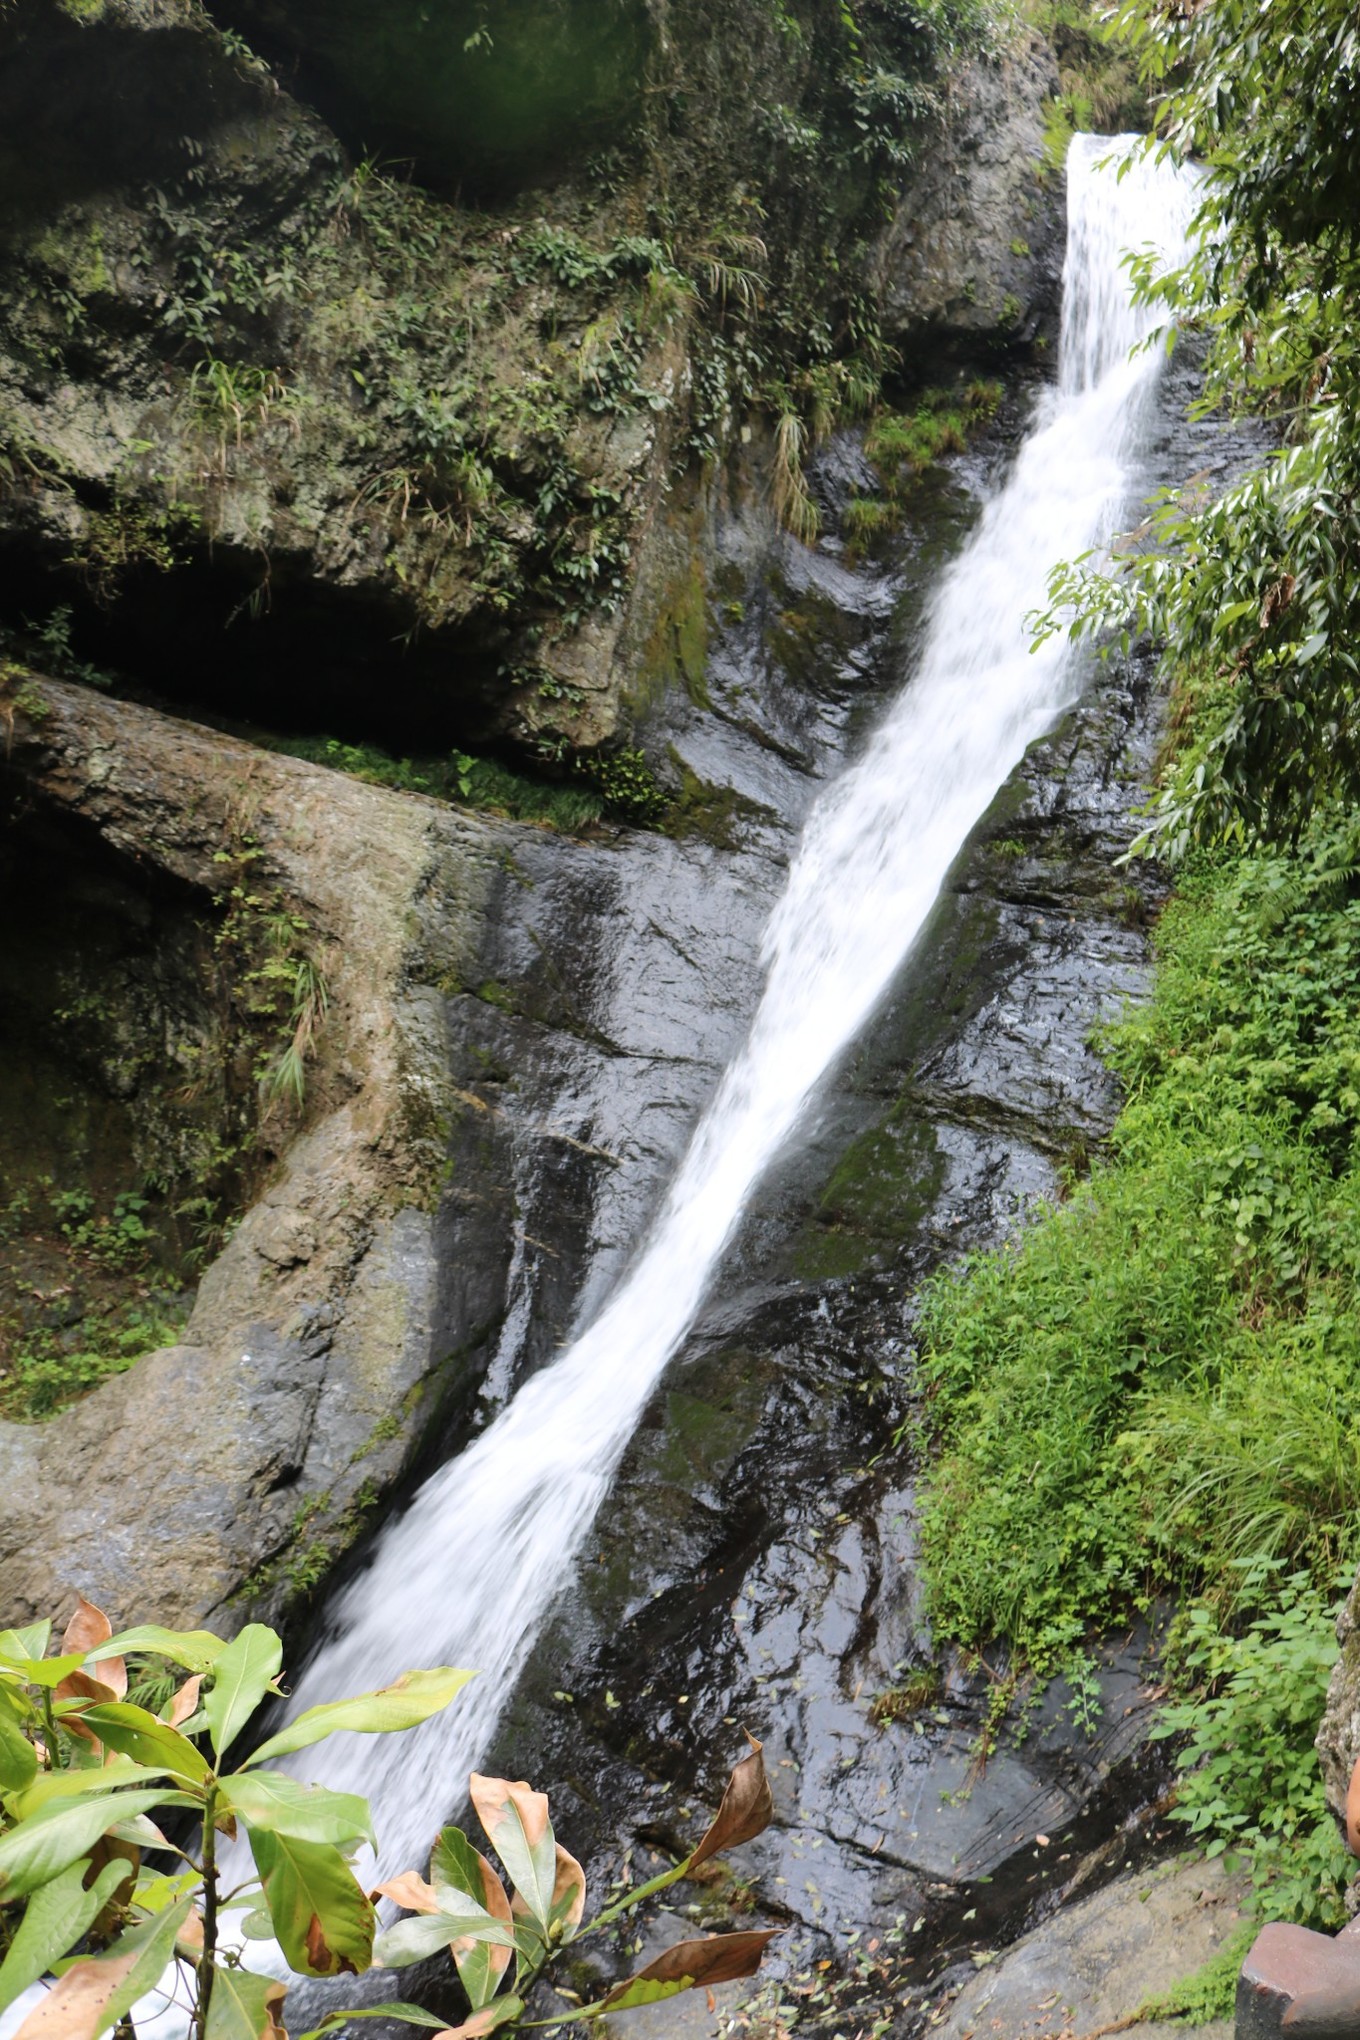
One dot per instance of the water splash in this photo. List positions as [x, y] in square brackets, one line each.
[467, 1574]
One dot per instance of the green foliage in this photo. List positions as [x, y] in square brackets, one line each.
[82, 1896]
[1209, 1993]
[1248, 1710]
[1164, 1378]
[1257, 594]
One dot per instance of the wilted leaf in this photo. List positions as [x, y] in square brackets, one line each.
[184, 1701]
[569, 1893]
[77, 1691]
[485, 2021]
[18, 1758]
[408, 1701]
[719, 1958]
[87, 1628]
[1353, 1812]
[94, 1994]
[62, 1832]
[138, 1734]
[245, 2006]
[242, 1674]
[410, 1891]
[516, 1820]
[285, 1806]
[323, 1920]
[746, 1811]
[57, 1916]
[456, 1867]
[196, 1649]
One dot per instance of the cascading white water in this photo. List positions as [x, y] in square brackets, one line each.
[466, 1575]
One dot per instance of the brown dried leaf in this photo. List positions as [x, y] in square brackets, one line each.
[185, 1701]
[483, 2022]
[1353, 1811]
[81, 1686]
[87, 1628]
[719, 1958]
[491, 1796]
[569, 1875]
[746, 1811]
[411, 1892]
[72, 2008]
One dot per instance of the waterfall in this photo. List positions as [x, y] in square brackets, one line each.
[467, 1573]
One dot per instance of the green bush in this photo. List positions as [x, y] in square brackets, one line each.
[1163, 1380]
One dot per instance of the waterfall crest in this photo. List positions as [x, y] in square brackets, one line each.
[466, 1575]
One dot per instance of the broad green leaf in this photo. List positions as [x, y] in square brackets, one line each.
[414, 2015]
[57, 1916]
[323, 1920]
[245, 2006]
[408, 1701]
[647, 1990]
[456, 1868]
[285, 1806]
[242, 1674]
[48, 1671]
[90, 1780]
[18, 1758]
[94, 1994]
[139, 1735]
[426, 1934]
[41, 1847]
[23, 1645]
[516, 1819]
[196, 1649]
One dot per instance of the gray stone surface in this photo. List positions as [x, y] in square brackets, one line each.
[1099, 1960]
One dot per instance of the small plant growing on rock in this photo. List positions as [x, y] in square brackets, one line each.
[93, 1892]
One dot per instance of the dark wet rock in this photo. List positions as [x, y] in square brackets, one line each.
[974, 249]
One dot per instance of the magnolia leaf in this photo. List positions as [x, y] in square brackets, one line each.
[242, 1674]
[48, 1671]
[42, 1846]
[57, 1916]
[456, 1867]
[184, 1701]
[413, 2015]
[428, 1934]
[746, 1811]
[87, 1629]
[136, 1733]
[197, 1650]
[323, 1920]
[90, 1779]
[408, 1701]
[18, 1758]
[516, 1820]
[77, 1691]
[410, 1891]
[719, 1958]
[569, 1893]
[285, 1806]
[22, 1646]
[245, 2006]
[95, 1993]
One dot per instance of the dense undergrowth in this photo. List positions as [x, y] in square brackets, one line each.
[1159, 1388]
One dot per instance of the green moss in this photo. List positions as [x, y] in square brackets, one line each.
[713, 814]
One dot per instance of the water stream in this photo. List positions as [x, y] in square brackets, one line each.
[466, 1575]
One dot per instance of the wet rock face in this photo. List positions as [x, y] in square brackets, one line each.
[975, 244]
